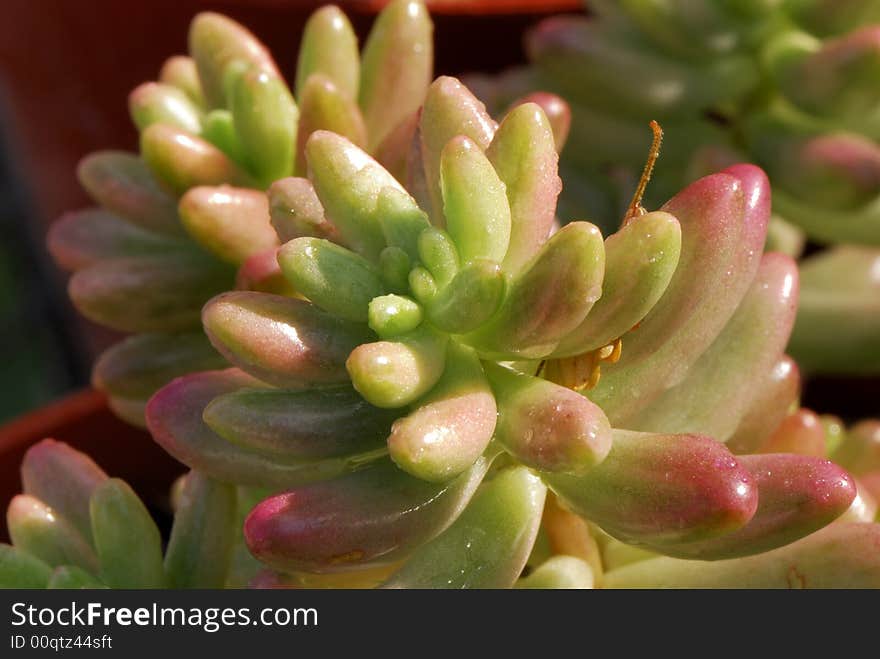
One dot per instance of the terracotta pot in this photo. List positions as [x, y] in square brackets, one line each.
[83, 420]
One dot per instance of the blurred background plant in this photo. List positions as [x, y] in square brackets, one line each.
[791, 85]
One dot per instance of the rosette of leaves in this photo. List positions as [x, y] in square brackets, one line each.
[789, 85]
[438, 370]
[75, 527]
[188, 217]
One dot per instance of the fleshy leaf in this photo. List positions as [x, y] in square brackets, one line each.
[323, 106]
[180, 160]
[724, 222]
[451, 425]
[174, 417]
[524, 155]
[261, 273]
[571, 535]
[70, 577]
[402, 222]
[825, 225]
[180, 71]
[157, 293]
[137, 366]
[395, 267]
[18, 569]
[218, 128]
[546, 426]
[474, 202]
[864, 506]
[311, 424]
[580, 54]
[685, 30]
[860, 450]
[833, 171]
[329, 47]
[837, 78]
[265, 117]
[559, 572]
[332, 277]
[130, 410]
[662, 490]
[838, 556]
[349, 183]
[395, 373]
[200, 546]
[549, 298]
[83, 238]
[370, 517]
[122, 184]
[63, 479]
[127, 540]
[556, 110]
[488, 545]
[797, 495]
[640, 260]
[39, 530]
[396, 66]
[838, 324]
[282, 341]
[296, 211]
[450, 110]
[154, 102]
[470, 299]
[215, 42]
[773, 394]
[232, 223]
[438, 253]
[393, 315]
[801, 432]
[399, 147]
[716, 391]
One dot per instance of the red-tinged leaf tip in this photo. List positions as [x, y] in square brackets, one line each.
[370, 517]
[797, 495]
[662, 490]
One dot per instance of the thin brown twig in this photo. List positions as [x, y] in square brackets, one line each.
[635, 206]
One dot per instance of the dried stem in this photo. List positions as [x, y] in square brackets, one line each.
[635, 206]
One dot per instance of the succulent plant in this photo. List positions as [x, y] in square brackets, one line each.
[188, 216]
[439, 372]
[75, 527]
[789, 85]
[428, 383]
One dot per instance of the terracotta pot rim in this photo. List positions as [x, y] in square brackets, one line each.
[438, 7]
[59, 413]
[483, 7]
[83, 421]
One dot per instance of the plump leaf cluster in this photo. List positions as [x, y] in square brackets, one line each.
[791, 86]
